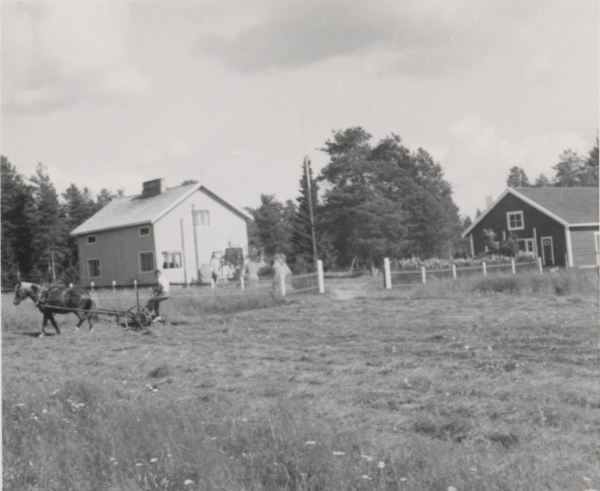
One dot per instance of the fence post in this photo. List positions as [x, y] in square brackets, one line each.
[242, 283]
[387, 276]
[92, 286]
[484, 269]
[321, 276]
[454, 271]
[512, 262]
[114, 284]
[540, 265]
[423, 275]
[282, 284]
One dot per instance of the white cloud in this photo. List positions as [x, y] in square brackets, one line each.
[478, 160]
[59, 54]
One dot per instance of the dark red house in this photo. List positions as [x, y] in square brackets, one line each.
[560, 225]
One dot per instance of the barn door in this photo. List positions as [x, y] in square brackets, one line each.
[547, 251]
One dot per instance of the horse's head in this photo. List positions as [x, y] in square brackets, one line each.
[20, 294]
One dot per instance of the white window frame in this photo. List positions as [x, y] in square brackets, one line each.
[516, 213]
[170, 254]
[153, 262]
[146, 227]
[530, 242]
[89, 273]
[91, 242]
[197, 221]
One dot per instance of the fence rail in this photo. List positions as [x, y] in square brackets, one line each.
[410, 277]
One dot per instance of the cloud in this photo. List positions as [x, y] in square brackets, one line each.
[478, 160]
[421, 37]
[57, 55]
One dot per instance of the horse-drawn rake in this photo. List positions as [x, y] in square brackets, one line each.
[59, 300]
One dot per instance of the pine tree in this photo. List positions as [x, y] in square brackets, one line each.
[303, 232]
[49, 228]
[272, 225]
[16, 241]
[517, 178]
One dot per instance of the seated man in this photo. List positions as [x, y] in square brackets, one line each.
[161, 292]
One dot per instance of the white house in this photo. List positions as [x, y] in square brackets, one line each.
[176, 230]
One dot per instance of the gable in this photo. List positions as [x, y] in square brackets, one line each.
[137, 210]
[567, 206]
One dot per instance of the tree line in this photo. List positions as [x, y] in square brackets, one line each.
[36, 221]
[572, 170]
[370, 201]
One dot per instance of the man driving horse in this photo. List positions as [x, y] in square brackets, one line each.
[162, 292]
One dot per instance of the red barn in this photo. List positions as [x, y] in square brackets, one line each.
[560, 225]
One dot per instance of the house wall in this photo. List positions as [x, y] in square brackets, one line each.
[544, 226]
[118, 251]
[226, 229]
[583, 242]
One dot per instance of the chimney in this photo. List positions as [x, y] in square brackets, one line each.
[152, 188]
[489, 201]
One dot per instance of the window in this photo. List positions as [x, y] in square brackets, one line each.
[527, 245]
[91, 239]
[94, 268]
[202, 218]
[146, 262]
[515, 220]
[171, 260]
[144, 231]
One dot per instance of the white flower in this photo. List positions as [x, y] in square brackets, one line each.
[310, 442]
[452, 488]
[339, 453]
[153, 459]
[188, 482]
[381, 465]
[368, 458]
[403, 479]
[364, 476]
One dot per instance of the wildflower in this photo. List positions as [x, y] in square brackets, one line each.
[112, 458]
[20, 404]
[403, 479]
[381, 465]
[452, 488]
[473, 469]
[44, 411]
[364, 476]
[154, 459]
[310, 442]
[188, 482]
[367, 458]
[139, 465]
[339, 453]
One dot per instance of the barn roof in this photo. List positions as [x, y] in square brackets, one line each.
[569, 206]
[136, 210]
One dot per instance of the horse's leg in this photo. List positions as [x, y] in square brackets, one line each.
[88, 316]
[53, 321]
[80, 318]
[44, 322]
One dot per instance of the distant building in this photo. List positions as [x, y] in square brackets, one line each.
[560, 225]
[177, 230]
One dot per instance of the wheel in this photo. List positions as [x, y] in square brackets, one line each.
[138, 321]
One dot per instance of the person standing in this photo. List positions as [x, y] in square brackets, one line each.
[162, 292]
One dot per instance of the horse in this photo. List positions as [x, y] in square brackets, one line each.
[57, 300]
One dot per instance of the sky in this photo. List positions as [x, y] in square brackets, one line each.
[108, 94]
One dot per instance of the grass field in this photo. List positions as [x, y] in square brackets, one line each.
[428, 388]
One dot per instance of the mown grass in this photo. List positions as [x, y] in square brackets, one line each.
[389, 390]
[561, 282]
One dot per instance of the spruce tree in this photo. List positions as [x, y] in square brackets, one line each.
[303, 255]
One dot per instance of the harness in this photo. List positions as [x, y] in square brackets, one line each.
[40, 297]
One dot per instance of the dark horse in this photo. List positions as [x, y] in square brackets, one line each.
[57, 300]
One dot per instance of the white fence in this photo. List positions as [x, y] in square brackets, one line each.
[410, 277]
[286, 285]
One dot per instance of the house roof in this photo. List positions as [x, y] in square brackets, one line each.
[135, 210]
[569, 206]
